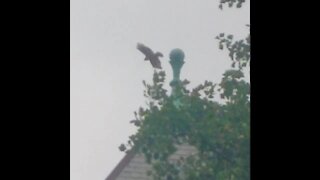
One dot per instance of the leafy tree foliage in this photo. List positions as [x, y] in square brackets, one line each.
[231, 3]
[219, 130]
[239, 51]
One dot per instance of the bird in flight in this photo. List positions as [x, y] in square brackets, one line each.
[150, 55]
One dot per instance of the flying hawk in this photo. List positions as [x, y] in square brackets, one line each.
[150, 55]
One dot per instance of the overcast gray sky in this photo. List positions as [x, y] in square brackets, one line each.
[107, 70]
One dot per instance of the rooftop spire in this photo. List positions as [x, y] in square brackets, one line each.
[176, 61]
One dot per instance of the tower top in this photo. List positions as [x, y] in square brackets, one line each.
[177, 55]
[176, 61]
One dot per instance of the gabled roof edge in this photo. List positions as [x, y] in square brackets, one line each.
[117, 170]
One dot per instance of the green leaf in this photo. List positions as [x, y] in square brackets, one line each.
[122, 147]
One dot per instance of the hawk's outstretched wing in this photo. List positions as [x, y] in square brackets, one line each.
[145, 50]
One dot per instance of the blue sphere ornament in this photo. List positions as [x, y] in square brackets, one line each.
[177, 55]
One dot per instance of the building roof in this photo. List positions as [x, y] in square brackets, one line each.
[133, 166]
